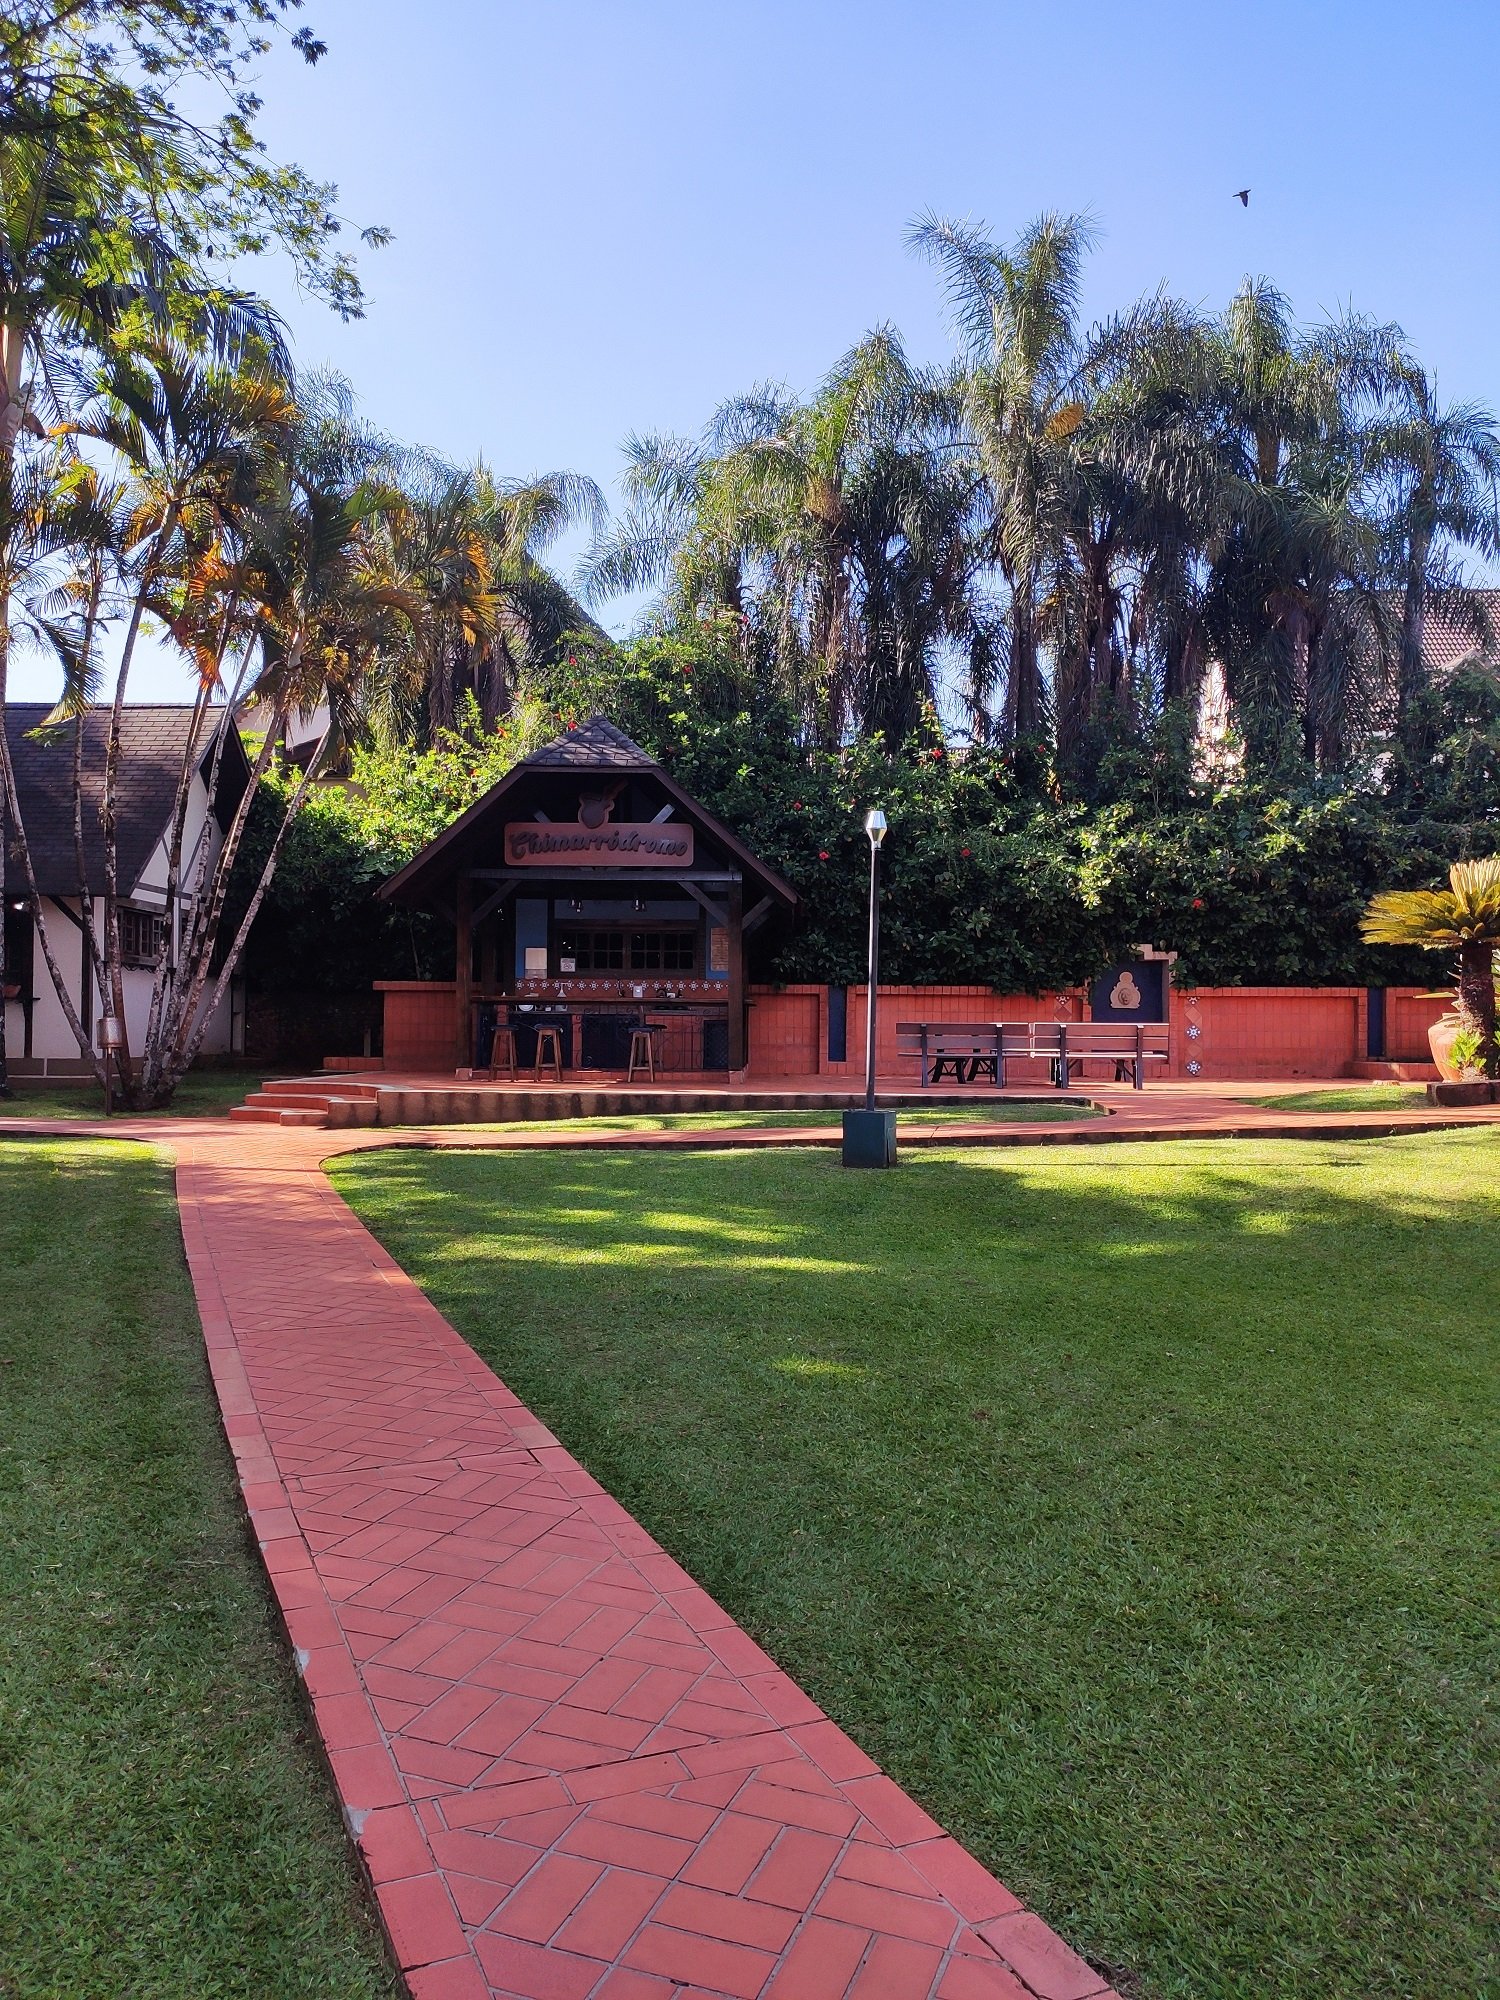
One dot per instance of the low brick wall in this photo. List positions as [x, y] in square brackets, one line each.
[1241, 1031]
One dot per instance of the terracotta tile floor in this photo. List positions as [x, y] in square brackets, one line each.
[570, 1775]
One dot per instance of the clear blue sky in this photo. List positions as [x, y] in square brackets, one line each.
[609, 214]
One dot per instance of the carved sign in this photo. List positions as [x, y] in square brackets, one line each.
[571, 844]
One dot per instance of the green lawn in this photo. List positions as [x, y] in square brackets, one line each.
[1131, 1505]
[999, 1111]
[165, 1828]
[1351, 1097]
[203, 1093]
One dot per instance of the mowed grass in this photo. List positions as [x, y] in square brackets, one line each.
[1133, 1505]
[203, 1093]
[999, 1111]
[165, 1829]
[1353, 1097]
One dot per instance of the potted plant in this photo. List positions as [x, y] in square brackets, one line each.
[1464, 918]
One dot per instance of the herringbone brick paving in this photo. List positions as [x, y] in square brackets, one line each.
[571, 1775]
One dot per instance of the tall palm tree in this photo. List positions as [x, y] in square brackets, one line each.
[1463, 918]
[1294, 593]
[1017, 391]
[835, 530]
[1443, 465]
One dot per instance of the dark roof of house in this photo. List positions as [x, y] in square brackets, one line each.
[1447, 644]
[153, 739]
[595, 745]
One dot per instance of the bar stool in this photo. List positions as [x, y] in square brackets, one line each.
[503, 1054]
[642, 1053]
[548, 1054]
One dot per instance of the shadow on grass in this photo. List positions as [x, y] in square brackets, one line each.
[1127, 1504]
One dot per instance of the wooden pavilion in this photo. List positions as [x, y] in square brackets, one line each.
[590, 894]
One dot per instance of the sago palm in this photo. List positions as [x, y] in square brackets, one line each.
[1464, 918]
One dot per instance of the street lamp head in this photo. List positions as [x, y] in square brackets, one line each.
[875, 825]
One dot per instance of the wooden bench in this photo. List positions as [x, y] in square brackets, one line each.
[969, 1050]
[962, 1050]
[1129, 1045]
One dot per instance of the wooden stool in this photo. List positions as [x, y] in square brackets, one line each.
[549, 1053]
[642, 1054]
[503, 1053]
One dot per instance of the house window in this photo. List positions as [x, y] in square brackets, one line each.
[627, 951]
[142, 935]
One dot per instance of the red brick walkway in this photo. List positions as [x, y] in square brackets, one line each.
[570, 1774]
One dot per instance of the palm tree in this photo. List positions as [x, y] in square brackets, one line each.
[1443, 462]
[470, 546]
[1294, 604]
[1463, 918]
[1017, 394]
[834, 532]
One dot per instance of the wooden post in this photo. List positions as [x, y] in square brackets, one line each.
[463, 971]
[736, 929]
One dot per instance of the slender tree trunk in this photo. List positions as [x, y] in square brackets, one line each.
[1411, 672]
[109, 812]
[1476, 1001]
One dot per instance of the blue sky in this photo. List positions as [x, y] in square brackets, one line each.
[609, 214]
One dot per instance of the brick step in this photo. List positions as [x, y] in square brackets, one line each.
[289, 1100]
[304, 1087]
[261, 1114]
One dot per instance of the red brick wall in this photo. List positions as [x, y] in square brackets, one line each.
[1243, 1031]
[1409, 1013]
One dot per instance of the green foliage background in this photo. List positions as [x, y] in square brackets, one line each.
[994, 874]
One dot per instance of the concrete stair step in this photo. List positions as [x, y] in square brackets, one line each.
[288, 1100]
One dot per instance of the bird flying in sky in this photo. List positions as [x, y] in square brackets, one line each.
[1242, 196]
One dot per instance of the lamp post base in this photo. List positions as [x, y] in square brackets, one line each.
[869, 1138]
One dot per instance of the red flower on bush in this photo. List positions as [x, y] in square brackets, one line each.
[966, 852]
[1197, 902]
[937, 755]
[796, 805]
[822, 853]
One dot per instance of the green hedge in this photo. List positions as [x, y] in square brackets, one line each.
[993, 875]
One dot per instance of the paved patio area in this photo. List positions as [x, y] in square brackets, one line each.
[571, 1776]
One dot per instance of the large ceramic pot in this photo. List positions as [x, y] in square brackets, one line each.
[1441, 1036]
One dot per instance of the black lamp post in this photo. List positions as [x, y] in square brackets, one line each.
[870, 1135]
[875, 828]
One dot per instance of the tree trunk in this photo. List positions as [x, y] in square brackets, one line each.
[1411, 672]
[1476, 1001]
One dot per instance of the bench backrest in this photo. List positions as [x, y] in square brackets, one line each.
[945, 1037]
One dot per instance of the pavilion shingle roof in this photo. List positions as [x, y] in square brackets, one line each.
[153, 737]
[594, 745]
